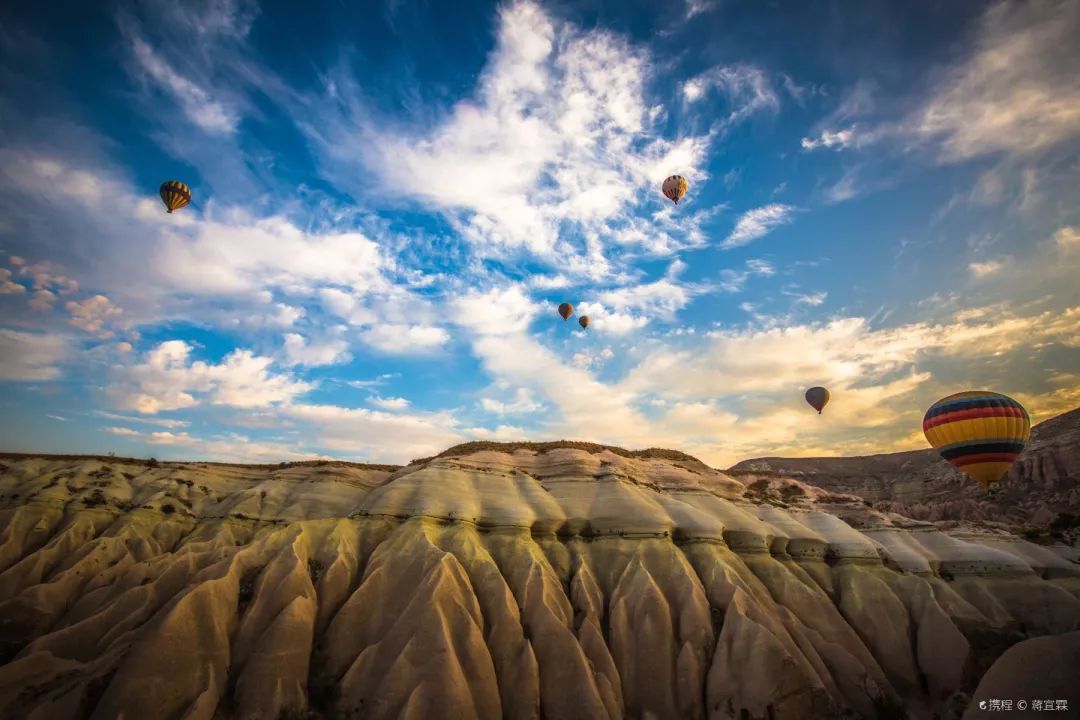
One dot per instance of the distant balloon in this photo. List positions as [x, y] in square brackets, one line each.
[818, 397]
[174, 194]
[566, 310]
[980, 432]
[675, 187]
[583, 321]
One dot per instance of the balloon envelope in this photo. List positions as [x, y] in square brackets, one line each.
[584, 321]
[675, 187]
[174, 194]
[978, 431]
[818, 397]
[566, 310]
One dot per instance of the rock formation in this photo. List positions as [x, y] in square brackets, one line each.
[556, 582]
[1043, 484]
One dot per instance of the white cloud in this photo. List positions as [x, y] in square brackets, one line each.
[1017, 92]
[197, 104]
[498, 311]
[733, 280]
[557, 144]
[169, 380]
[91, 314]
[1068, 237]
[241, 254]
[522, 403]
[828, 139]
[844, 189]
[757, 223]
[390, 403]
[374, 382]
[123, 431]
[549, 282]
[6, 286]
[813, 299]
[403, 339]
[42, 300]
[373, 434]
[158, 422]
[747, 89]
[28, 356]
[842, 351]
[502, 433]
[299, 351]
[223, 448]
[285, 315]
[696, 7]
[588, 360]
[985, 269]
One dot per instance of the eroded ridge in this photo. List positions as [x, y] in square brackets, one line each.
[564, 584]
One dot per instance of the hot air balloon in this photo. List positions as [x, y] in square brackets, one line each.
[583, 321]
[675, 187]
[980, 432]
[174, 194]
[818, 397]
[566, 310]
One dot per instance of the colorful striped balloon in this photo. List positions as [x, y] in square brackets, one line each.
[174, 194]
[978, 431]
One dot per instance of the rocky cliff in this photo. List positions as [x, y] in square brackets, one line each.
[573, 582]
[1043, 484]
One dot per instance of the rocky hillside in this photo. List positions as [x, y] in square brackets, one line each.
[1043, 484]
[556, 582]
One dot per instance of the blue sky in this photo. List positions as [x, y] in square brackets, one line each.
[392, 198]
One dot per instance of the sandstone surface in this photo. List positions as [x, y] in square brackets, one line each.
[571, 582]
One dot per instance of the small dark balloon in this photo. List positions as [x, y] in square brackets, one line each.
[584, 321]
[818, 397]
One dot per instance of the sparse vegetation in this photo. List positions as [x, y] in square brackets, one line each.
[152, 463]
[792, 491]
[1064, 521]
[887, 707]
[96, 498]
[247, 590]
[543, 447]
[315, 570]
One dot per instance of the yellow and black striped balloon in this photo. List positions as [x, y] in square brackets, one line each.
[979, 432]
[674, 188]
[174, 194]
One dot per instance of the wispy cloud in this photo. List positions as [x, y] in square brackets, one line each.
[747, 89]
[196, 102]
[390, 403]
[557, 144]
[758, 223]
[838, 139]
[986, 268]
[1015, 92]
[1068, 238]
[1018, 91]
[733, 281]
[26, 356]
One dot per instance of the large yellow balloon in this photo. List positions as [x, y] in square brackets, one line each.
[675, 187]
[174, 194]
[980, 432]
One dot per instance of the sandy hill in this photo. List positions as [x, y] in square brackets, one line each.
[1043, 485]
[556, 581]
